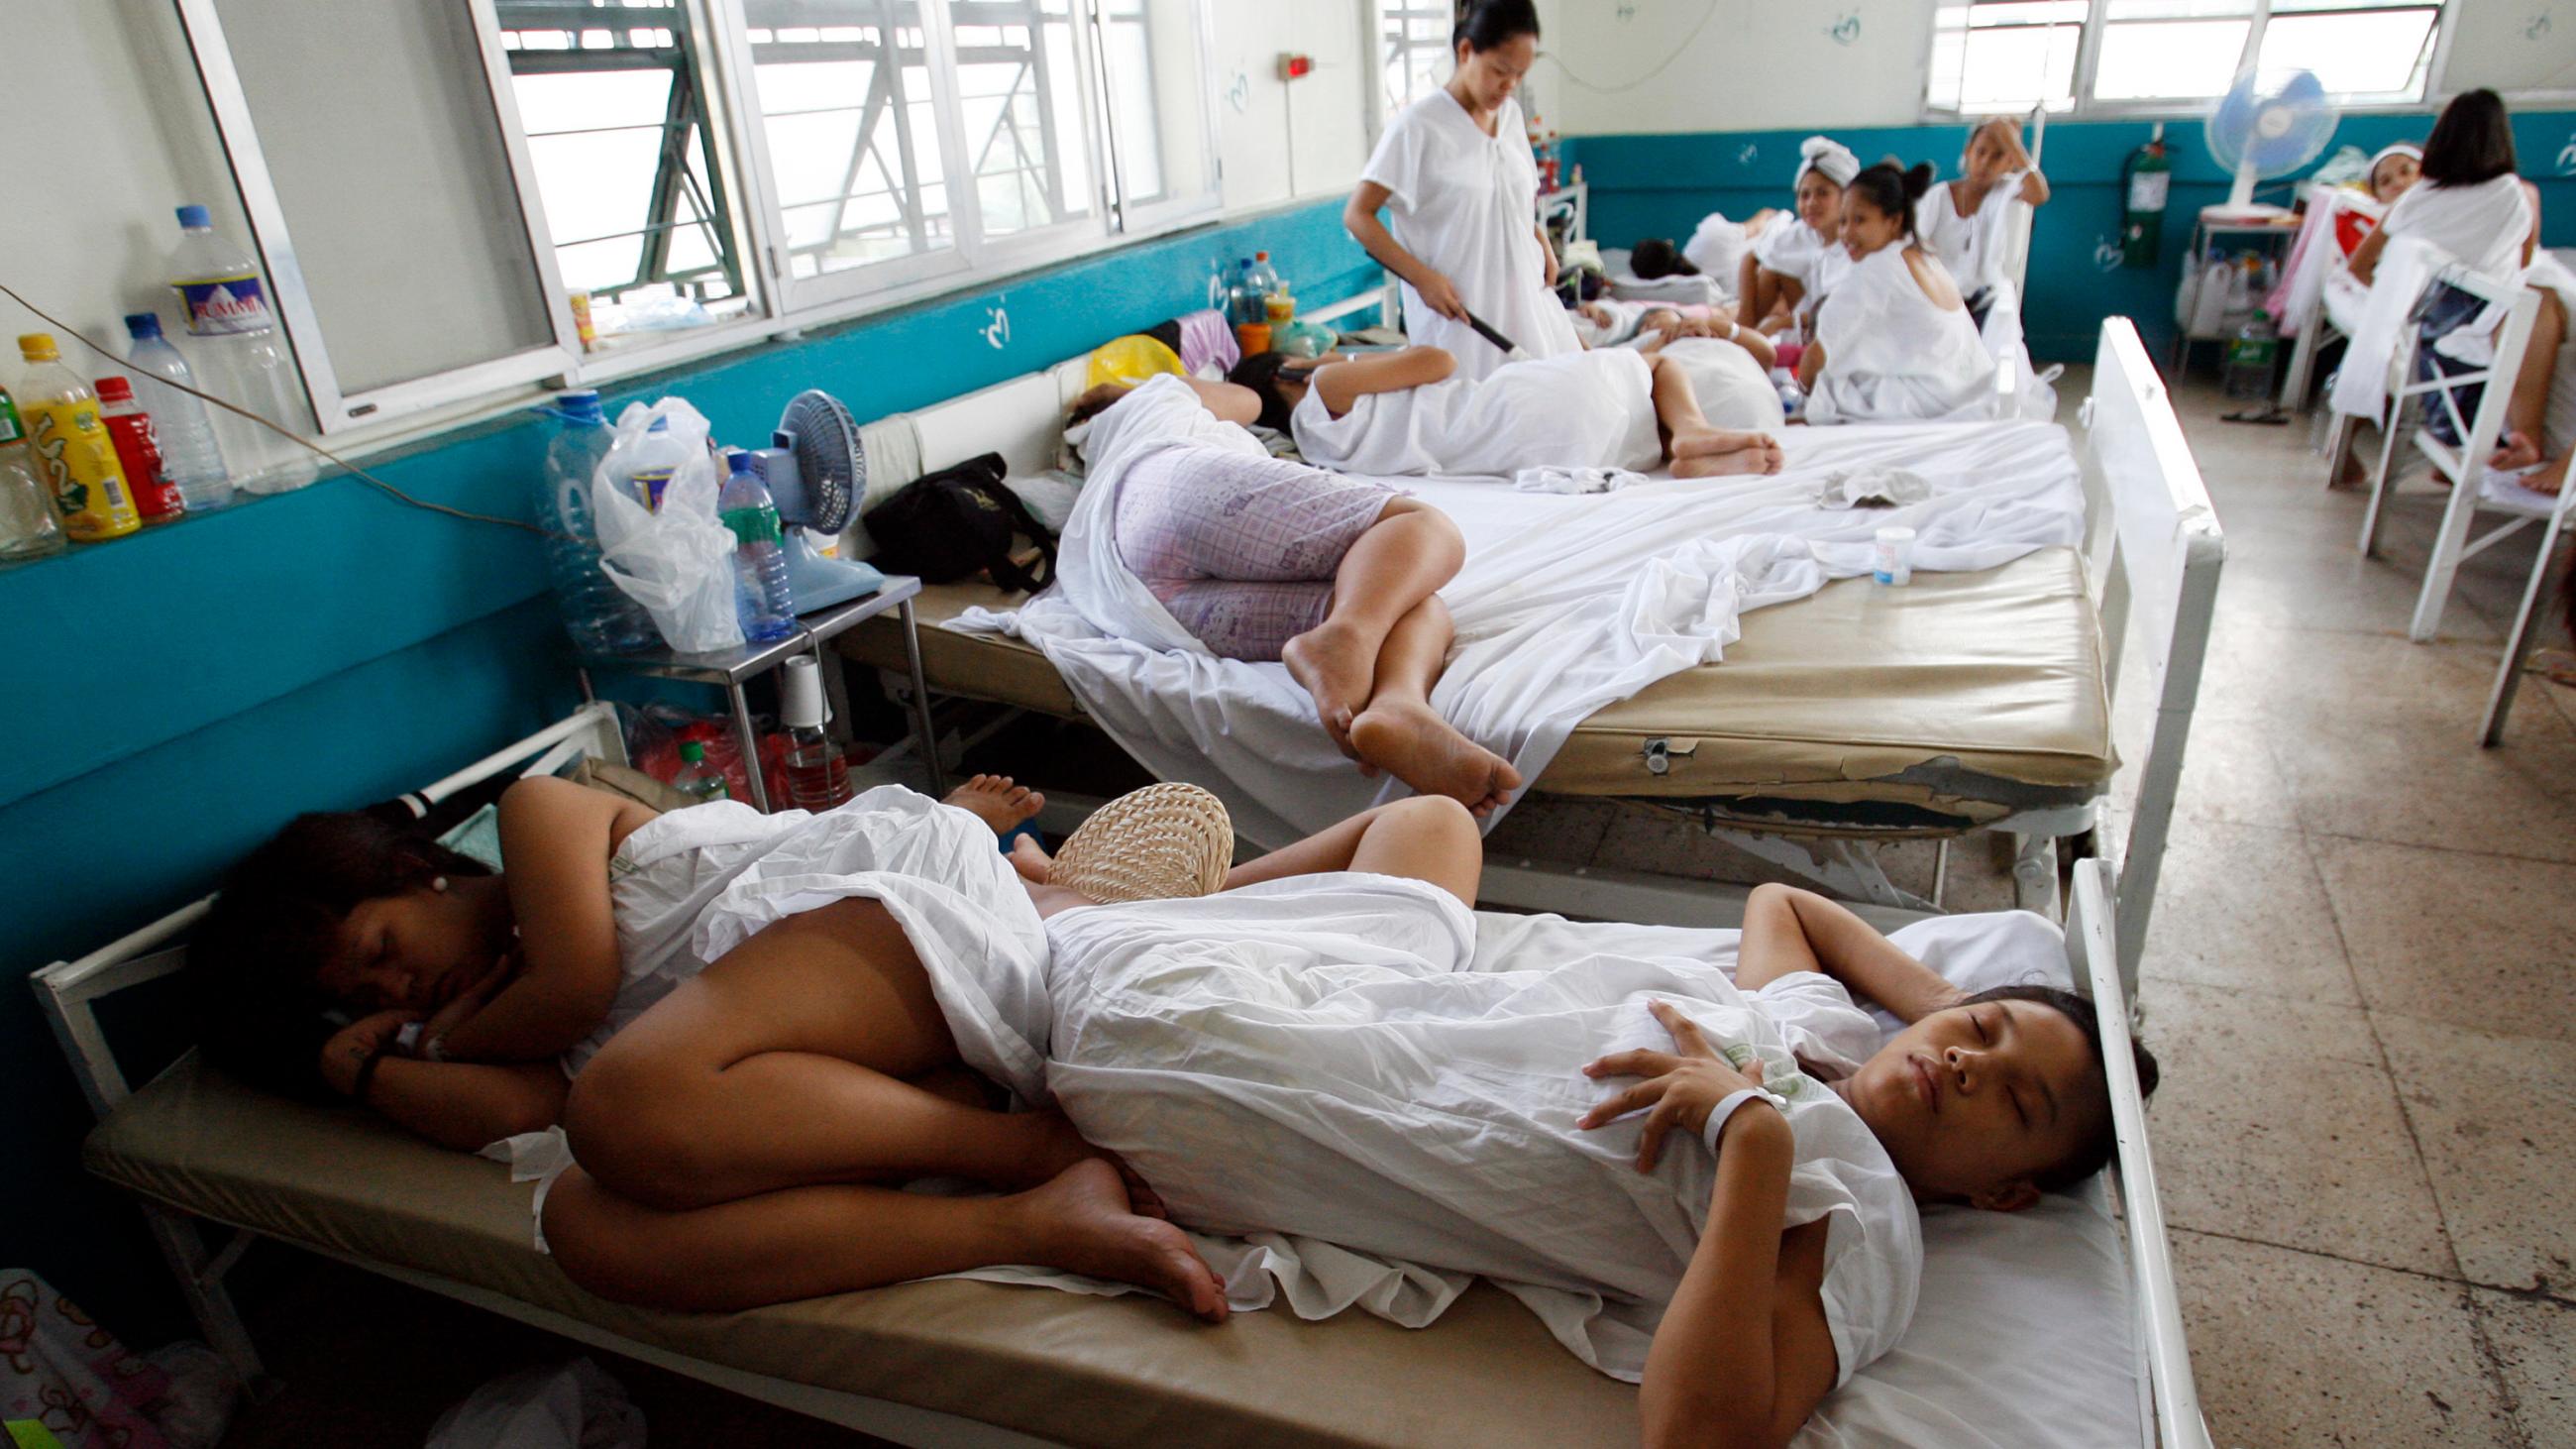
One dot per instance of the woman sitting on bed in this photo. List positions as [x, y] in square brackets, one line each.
[1797, 260]
[1190, 537]
[1402, 414]
[1894, 342]
[1963, 221]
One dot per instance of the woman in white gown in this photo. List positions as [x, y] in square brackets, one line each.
[1455, 170]
[1797, 259]
[1893, 343]
[1962, 222]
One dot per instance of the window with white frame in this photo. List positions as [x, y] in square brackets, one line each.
[2148, 55]
[1415, 51]
[706, 170]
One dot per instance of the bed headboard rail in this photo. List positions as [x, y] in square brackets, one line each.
[69, 991]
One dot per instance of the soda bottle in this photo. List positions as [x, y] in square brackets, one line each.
[600, 616]
[72, 445]
[697, 779]
[189, 453]
[760, 556]
[27, 527]
[138, 452]
[240, 355]
[817, 777]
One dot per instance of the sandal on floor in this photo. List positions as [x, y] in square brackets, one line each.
[1164, 842]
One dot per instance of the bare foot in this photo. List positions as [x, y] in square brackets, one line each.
[1338, 666]
[2518, 450]
[1413, 743]
[1716, 454]
[2550, 479]
[997, 802]
[1055, 1144]
[1081, 1222]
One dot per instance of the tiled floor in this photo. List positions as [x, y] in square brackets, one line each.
[2361, 978]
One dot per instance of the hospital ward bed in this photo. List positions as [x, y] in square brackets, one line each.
[2057, 1326]
[1854, 716]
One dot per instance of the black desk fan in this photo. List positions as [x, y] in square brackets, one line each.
[815, 473]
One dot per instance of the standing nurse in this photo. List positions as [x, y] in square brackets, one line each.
[1456, 168]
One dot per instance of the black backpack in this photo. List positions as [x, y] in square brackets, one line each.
[959, 521]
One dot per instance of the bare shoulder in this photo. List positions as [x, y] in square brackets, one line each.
[545, 806]
[1934, 279]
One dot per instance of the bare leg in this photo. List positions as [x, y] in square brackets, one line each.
[2526, 414]
[1404, 557]
[1403, 735]
[805, 1242]
[1429, 838]
[1698, 450]
[784, 1065]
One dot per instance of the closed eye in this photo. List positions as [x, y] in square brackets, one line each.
[1983, 1035]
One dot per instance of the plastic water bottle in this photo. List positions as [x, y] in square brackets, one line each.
[649, 471]
[189, 453]
[697, 779]
[2250, 357]
[759, 557]
[72, 446]
[240, 355]
[1265, 280]
[598, 614]
[1247, 302]
[27, 526]
[817, 777]
[138, 452]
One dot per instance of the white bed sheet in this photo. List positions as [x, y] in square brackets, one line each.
[2022, 1334]
[1568, 604]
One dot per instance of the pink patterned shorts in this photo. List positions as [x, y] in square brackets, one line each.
[1241, 550]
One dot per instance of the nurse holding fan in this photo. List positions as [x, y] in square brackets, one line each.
[1455, 170]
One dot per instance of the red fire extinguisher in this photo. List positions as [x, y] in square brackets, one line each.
[2145, 180]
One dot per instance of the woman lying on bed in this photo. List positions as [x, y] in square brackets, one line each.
[1894, 342]
[1399, 414]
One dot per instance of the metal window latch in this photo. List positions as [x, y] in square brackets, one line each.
[1659, 754]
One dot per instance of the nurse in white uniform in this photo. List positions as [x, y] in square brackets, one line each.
[1454, 171]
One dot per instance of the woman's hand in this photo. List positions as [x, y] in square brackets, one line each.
[1441, 295]
[1682, 1086]
[469, 1001]
[351, 1046]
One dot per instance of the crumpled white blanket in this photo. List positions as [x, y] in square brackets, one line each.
[1872, 488]
[1554, 479]
[1565, 605]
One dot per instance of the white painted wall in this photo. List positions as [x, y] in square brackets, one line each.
[1285, 140]
[107, 133]
[1654, 66]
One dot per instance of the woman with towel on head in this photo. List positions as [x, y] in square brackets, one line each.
[1962, 221]
[1798, 259]
[1894, 342]
[2472, 205]
[1455, 168]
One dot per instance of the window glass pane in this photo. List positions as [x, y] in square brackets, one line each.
[1156, 81]
[613, 103]
[842, 91]
[1414, 49]
[2171, 60]
[1020, 97]
[2378, 52]
[2006, 55]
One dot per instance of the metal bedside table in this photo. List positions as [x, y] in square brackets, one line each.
[732, 667]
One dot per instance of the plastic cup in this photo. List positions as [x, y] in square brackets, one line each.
[1252, 337]
[1896, 555]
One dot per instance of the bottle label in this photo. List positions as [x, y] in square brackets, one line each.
[649, 483]
[224, 306]
[81, 468]
[11, 430]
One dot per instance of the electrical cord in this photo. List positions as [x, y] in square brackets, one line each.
[353, 470]
[1675, 54]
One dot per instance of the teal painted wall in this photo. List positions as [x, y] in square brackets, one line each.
[1661, 185]
[175, 696]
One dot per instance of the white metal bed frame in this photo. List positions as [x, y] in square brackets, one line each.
[70, 991]
[2464, 464]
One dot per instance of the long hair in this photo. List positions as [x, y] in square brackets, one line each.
[2471, 142]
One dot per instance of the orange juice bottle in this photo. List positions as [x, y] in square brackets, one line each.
[72, 444]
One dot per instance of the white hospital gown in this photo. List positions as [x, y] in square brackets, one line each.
[1581, 410]
[1718, 248]
[1317, 1058]
[1798, 251]
[1970, 246]
[1892, 354]
[2482, 225]
[1732, 389]
[1465, 203]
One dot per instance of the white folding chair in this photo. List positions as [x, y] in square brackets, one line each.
[2465, 465]
[2559, 519]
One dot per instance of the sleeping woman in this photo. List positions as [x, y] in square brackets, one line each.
[1399, 414]
[1709, 1185]
[1894, 342]
[1190, 537]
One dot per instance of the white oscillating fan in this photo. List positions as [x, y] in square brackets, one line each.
[2266, 127]
[815, 474]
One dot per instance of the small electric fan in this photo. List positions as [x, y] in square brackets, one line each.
[2266, 127]
[815, 474]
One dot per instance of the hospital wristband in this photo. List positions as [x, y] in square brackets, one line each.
[1718, 1114]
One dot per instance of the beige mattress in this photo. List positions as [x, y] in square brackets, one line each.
[1969, 695]
[1121, 1371]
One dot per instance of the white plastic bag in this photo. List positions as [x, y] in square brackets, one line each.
[678, 561]
[574, 1405]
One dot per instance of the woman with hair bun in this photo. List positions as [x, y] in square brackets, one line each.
[1893, 342]
[1455, 168]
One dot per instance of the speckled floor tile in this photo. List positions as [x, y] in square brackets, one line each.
[2241, 906]
[2473, 940]
[2534, 1340]
[2497, 1119]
